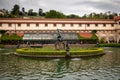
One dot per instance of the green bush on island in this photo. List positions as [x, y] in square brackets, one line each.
[52, 51]
[10, 39]
[1, 46]
[14, 37]
[110, 45]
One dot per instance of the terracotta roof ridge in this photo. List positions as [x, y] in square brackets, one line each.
[56, 19]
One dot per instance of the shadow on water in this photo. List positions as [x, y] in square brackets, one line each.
[106, 67]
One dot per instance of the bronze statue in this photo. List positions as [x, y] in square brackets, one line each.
[59, 37]
[59, 45]
[62, 45]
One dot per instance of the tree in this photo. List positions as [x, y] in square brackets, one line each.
[84, 16]
[15, 10]
[7, 38]
[54, 14]
[34, 14]
[23, 10]
[40, 12]
[94, 31]
[2, 31]
[30, 11]
[73, 16]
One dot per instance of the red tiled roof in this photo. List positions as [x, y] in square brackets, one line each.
[57, 19]
[20, 34]
[96, 22]
[86, 34]
[117, 18]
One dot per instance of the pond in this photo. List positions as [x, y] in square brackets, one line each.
[106, 67]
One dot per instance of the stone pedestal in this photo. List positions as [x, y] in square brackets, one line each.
[59, 45]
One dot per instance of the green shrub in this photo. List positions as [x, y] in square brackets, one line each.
[109, 45]
[14, 37]
[1, 46]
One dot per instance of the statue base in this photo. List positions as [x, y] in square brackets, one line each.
[67, 55]
[59, 45]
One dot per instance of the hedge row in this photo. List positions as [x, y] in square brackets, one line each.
[6, 37]
[55, 52]
[39, 52]
[109, 45]
[1, 46]
[87, 52]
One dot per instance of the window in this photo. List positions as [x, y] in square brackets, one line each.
[112, 25]
[104, 25]
[28, 25]
[46, 25]
[80, 25]
[9, 24]
[0, 24]
[71, 25]
[63, 25]
[19, 25]
[37, 25]
[88, 25]
[54, 25]
[96, 25]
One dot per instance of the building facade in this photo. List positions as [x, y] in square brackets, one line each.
[109, 30]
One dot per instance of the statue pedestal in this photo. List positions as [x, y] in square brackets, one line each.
[67, 54]
[59, 45]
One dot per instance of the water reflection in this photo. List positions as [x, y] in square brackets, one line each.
[106, 67]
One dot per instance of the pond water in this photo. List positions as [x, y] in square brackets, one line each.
[106, 67]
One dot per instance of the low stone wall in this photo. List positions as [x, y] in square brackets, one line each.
[10, 46]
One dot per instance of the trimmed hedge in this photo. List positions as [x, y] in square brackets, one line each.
[109, 45]
[14, 37]
[1, 46]
[38, 51]
[47, 51]
[87, 52]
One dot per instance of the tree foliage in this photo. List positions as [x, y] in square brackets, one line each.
[40, 12]
[14, 37]
[106, 15]
[2, 31]
[31, 13]
[54, 14]
[73, 16]
[94, 31]
[15, 11]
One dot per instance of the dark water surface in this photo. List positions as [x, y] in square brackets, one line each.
[106, 67]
